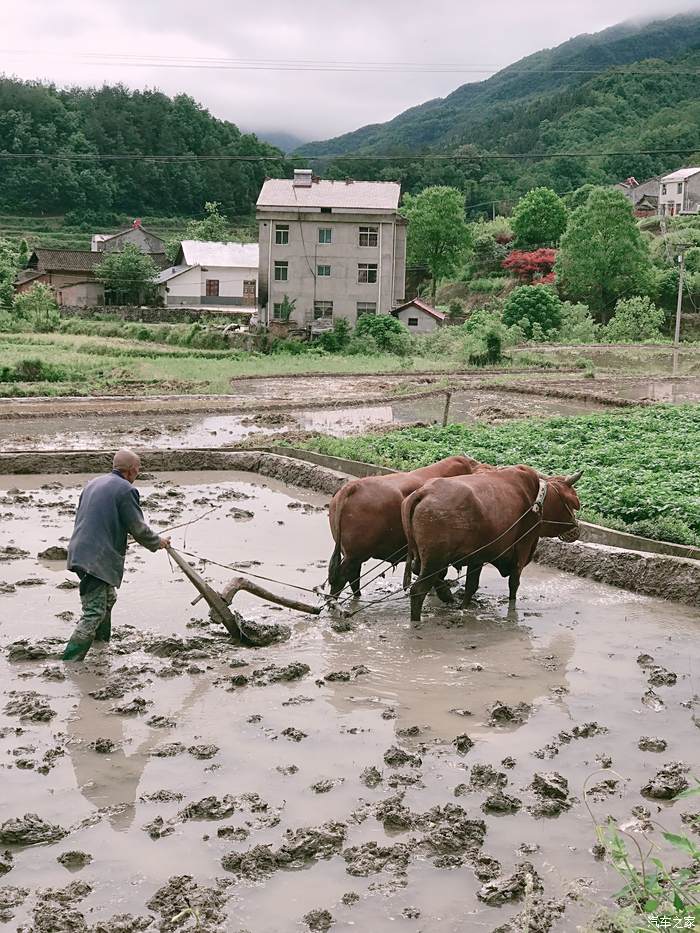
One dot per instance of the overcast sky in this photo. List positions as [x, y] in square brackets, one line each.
[51, 39]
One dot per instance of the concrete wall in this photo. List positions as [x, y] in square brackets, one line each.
[426, 323]
[688, 198]
[81, 295]
[190, 287]
[304, 254]
[137, 236]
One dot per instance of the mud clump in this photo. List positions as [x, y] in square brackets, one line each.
[396, 757]
[512, 887]
[23, 650]
[203, 752]
[393, 814]
[503, 714]
[56, 552]
[463, 743]
[209, 808]
[450, 836]
[300, 848]
[294, 735]
[273, 674]
[11, 897]
[371, 858]
[103, 746]
[538, 917]
[319, 921]
[6, 862]
[10, 552]
[169, 750]
[666, 783]
[345, 676]
[73, 859]
[652, 744]
[30, 830]
[501, 803]
[486, 777]
[158, 828]
[659, 677]
[123, 923]
[182, 893]
[552, 791]
[133, 708]
[30, 706]
[371, 776]
[325, 785]
[260, 635]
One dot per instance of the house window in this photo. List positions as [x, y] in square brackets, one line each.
[281, 271]
[325, 235]
[366, 307]
[212, 286]
[277, 311]
[281, 234]
[663, 189]
[323, 271]
[679, 189]
[323, 310]
[367, 273]
[369, 236]
[413, 322]
[326, 210]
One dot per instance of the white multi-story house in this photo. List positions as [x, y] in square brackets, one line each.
[335, 248]
[679, 192]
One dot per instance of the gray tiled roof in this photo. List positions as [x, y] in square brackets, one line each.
[78, 260]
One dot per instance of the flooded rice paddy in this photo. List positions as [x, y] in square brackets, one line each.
[367, 772]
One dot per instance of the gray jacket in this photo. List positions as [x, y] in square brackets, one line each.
[108, 510]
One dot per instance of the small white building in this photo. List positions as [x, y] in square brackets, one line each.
[419, 317]
[679, 192]
[212, 274]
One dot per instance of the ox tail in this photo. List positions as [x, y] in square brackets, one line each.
[335, 578]
[407, 508]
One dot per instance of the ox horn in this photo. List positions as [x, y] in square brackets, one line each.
[574, 478]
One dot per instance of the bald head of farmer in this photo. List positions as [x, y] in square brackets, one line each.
[108, 511]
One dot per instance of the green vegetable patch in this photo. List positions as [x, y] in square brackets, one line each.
[641, 467]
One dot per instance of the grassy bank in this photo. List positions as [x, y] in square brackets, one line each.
[641, 467]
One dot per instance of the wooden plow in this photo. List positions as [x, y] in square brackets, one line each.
[219, 603]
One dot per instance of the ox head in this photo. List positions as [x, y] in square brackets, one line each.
[561, 507]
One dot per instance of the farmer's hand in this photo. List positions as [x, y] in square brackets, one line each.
[164, 542]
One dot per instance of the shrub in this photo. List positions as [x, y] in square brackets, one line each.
[635, 319]
[530, 266]
[487, 286]
[455, 310]
[532, 306]
[38, 307]
[388, 333]
[487, 254]
[337, 339]
[577, 324]
[32, 370]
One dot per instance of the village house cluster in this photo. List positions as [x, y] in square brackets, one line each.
[665, 195]
[326, 250]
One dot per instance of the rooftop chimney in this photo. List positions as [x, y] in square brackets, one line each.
[137, 222]
[303, 178]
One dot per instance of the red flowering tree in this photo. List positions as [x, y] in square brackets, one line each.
[532, 267]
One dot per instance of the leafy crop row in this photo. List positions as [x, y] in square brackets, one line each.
[641, 467]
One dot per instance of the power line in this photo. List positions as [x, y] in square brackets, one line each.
[313, 65]
[425, 157]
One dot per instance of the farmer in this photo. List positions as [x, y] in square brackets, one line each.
[108, 510]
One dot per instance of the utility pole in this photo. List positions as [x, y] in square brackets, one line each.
[677, 335]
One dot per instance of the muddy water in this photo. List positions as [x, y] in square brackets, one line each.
[569, 651]
[673, 391]
[95, 432]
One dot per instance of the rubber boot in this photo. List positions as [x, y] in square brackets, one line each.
[76, 650]
[104, 629]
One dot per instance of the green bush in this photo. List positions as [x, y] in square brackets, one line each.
[577, 324]
[487, 286]
[336, 339]
[33, 370]
[37, 306]
[388, 334]
[536, 309]
[634, 320]
[487, 255]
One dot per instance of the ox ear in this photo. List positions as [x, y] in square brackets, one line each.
[574, 478]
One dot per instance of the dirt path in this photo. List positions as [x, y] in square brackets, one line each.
[180, 766]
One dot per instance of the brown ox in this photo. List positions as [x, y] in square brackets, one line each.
[491, 517]
[365, 518]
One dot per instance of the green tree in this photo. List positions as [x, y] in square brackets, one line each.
[539, 219]
[438, 236]
[384, 333]
[635, 319]
[128, 276]
[37, 306]
[8, 272]
[536, 309]
[213, 226]
[603, 257]
[22, 254]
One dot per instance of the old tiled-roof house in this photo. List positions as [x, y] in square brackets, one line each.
[419, 316]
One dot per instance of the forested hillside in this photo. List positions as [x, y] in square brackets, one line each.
[629, 87]
[113, 121]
